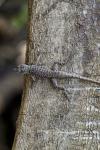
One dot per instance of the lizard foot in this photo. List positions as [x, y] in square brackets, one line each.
[55, 84]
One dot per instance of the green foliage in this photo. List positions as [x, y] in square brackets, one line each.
[21, 18]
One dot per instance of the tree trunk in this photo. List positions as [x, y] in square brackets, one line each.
[61, 31]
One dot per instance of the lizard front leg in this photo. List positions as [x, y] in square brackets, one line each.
[33, 80]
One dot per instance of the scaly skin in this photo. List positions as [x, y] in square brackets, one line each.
[43, 72]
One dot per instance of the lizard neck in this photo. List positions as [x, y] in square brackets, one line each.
[29, 70]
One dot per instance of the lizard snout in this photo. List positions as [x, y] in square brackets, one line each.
[21, 69]
[17, 69]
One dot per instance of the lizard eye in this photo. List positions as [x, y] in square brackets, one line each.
[22, 67]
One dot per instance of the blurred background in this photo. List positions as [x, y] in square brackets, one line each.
[13, 18]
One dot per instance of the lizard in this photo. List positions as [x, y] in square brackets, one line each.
[52, 74]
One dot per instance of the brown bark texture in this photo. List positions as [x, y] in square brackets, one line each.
[61, 31]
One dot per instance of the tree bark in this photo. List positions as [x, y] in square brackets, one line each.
[61, 30]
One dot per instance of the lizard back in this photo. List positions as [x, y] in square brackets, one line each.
[44, 72]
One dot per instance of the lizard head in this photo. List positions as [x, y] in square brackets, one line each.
[23, 68]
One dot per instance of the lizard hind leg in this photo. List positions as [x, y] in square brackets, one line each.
[55, 66]
[55, 84]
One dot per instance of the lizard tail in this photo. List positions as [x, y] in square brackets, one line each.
[88, 79]
[75, 76]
